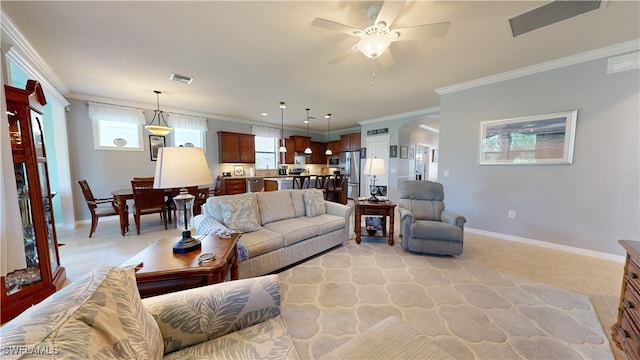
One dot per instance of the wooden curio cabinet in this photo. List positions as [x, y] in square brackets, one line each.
[43, 274]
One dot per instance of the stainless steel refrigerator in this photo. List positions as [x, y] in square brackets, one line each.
[350, 166]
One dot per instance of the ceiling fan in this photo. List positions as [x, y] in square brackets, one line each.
[376, 38]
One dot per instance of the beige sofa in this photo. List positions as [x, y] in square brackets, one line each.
[101, 316]
[279, 228]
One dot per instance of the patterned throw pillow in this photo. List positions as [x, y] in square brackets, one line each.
[314, 203]
[240, 214]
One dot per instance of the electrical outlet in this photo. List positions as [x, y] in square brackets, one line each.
[446, 173]
[512, 214]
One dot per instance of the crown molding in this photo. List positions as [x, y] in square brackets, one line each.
[628, 46]
[433, 112]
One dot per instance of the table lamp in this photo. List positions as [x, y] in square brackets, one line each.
[374, 167]
[182, 167]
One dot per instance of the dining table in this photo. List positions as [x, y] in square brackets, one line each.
[122, 195]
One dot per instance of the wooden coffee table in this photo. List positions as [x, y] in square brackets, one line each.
[163, 271]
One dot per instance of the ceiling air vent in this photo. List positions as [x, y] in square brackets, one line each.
[551, 13]
[181, 78]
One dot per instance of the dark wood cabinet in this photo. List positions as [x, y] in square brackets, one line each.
[42, 275]
[625, 332]
[236, 147]
[300, 143]
[334, 146]
[317, 153]
[350, 142]
[234, 186]
[288, 157]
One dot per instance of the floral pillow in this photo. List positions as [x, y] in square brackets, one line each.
[240, 214]
[314, 203]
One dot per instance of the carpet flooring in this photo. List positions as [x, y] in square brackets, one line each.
[472, 312]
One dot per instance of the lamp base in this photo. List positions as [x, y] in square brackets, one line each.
[373, 198]
[186, 244]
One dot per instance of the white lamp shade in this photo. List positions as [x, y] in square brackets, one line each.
[178, 167]
[374, 45]
[374, 166]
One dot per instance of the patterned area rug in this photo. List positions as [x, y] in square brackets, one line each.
[470, 311]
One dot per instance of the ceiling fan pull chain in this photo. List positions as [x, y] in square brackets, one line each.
[373, 72]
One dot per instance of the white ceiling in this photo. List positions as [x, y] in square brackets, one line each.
[247, 56]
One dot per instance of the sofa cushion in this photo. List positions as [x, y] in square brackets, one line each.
[275, 205]
[327, 223]
[266, 340]
[297, 198]
[294, 230]
[262, 241]
[240, 213]
[314, 203]
[98, 316]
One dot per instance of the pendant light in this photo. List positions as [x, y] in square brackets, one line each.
[328, 151]
[283, 149]
[308, 151]
[158, 130]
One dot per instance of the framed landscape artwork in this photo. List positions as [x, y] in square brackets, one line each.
[155, 143]
[531, 140]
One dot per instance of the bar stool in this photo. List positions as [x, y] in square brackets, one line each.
[301, 181]
[322, 183]
[334, 191]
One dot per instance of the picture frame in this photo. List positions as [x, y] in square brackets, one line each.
[393, 151]
[155, 142]
[530, 140]
[238, 170]
[412, 153]
[404, 152]
[434, 155]
[363, 153]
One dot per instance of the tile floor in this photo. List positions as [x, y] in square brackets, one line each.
[599, 279]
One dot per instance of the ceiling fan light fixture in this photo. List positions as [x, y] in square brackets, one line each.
[373, 45]
[159, 129]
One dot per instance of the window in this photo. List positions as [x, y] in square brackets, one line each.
[116, 127]
[266, 152]
[266, 147]
[188, 130]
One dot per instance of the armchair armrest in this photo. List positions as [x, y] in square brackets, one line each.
[196, 315]
[406, 219]
[453, 218]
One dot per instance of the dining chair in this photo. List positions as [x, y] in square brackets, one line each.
[335, 188]
[148, 200]
[301, 181]
[217, 190]
[322, 183]
[99, 207]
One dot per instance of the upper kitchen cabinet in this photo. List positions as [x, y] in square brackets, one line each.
[288, 157]
[334, 146]
[300, 143]
[317, 153]
[236, 147]
[350, 142]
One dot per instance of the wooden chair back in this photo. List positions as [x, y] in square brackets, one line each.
[93, 205]
[301, 181]
[148, 201]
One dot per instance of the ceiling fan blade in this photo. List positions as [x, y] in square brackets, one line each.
[343, 56]
[332, 25]
[389, 12]
[423, 31]
[386, 59]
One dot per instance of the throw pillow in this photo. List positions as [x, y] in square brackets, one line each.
[209, 225]
[240, 214]
[314, 203]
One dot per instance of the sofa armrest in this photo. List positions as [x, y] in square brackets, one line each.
[453, 218]
[197, 315]
[344, 211]
[406, 219]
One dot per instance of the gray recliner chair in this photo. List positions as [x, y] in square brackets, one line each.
[426, 227]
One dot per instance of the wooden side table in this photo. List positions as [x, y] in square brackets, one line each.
[163, 271]
[381, 208]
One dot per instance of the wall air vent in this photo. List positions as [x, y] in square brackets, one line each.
[551, 13]
[623, 63]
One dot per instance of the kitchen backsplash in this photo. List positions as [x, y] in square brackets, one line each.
[245, 169]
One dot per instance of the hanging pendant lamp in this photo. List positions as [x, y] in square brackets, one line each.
[158, 130]
[328, 151]
[283, 149]
[308, 151]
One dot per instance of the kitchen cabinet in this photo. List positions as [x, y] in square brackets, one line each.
[300, 143]
[289, 156]
[231, 186]
[43, 274]
[334, 146]
[317, 153]
[236, 147]
[350, 142]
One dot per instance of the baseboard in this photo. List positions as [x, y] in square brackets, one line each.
[548, 245]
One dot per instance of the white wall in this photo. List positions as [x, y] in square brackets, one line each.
[590, 204]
